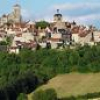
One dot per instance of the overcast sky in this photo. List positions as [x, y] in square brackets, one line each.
[81, 11]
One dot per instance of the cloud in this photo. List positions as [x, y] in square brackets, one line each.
[27, 15]
[71, 6]
[78, 9]
[83, 13]
[91, 19]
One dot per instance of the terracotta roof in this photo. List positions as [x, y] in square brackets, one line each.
[83, 33]
[29, 45]
[75, 30]
[33, 45]
[55, 39]
[31, 41]
[21, 25]
[68, 24]
[19, 35]
[13, 47]
[0, 35]
[18, 42]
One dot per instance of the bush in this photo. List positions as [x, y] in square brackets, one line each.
[48, 94]
[22, 97]
[42, 24]
[83, 97]
[3, 43]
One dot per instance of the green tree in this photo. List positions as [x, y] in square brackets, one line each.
[74, 57]
[22, 97]
[3, 43]
[9, 40]
[48, 94]
[42, 24]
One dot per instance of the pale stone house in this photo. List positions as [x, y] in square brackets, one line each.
[14, 49]
[96, 36]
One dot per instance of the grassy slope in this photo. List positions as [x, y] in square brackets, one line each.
[73, 84]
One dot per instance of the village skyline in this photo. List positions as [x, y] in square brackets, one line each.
[83, 12]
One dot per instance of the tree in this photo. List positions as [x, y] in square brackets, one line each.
[3, 43]
[9, 40]
[22, 97]
[73, 58]
[48, 94]
[42, 24]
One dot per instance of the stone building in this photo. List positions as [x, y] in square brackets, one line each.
[58, 22]
[14, 16]
[61, 28]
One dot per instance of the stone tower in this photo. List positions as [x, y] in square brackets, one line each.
[17, 13]
[58, 16]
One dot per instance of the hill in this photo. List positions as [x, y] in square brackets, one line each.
[73, 84]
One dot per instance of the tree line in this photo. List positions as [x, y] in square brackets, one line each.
[24, 72]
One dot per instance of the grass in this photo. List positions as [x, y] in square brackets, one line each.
[73, 84]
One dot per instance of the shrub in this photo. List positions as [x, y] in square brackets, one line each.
[48, 94]
[22, 97]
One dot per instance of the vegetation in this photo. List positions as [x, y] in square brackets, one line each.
[74, 85]
[3, 43]
[48, 94]
[89, 96]
[23, 73]
[9, 40]
[22, 97]
[44, 95]
[42, 24]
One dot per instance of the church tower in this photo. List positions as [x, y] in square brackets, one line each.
[58, 16]
[17, 13]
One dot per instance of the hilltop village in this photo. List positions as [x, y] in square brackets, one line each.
[58, 34]
[49, 60]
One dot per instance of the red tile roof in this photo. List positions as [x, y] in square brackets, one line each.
[75, 30]
[55, 39]
[13, 47]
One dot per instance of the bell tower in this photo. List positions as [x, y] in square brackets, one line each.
[58, 16]
[17, 13]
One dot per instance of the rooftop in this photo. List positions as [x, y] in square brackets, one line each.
[17, 5]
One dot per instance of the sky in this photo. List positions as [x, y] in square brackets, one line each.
[86, 12]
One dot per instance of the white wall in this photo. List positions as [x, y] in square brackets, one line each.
[75, 37]
[56, 36]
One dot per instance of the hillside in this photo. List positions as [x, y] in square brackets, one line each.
[74, 84]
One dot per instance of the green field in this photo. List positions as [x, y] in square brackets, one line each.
[74, 84]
